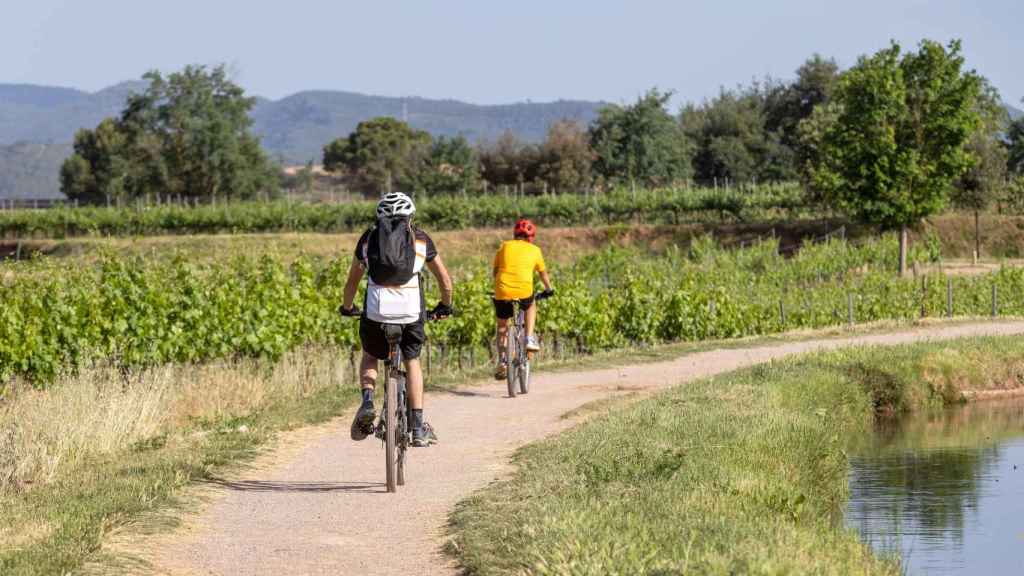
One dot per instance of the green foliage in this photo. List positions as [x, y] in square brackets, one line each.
[662, 206]
[185, 135]
[983, 182]
[899, 135]
[640, 143]
[1015, 137]
[451, 167]
[136, 312]
[565, 158]
[382, 154]
[732, 140]
[509, 161]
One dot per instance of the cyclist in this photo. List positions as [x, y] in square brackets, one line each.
[394, 304]
[514, 265]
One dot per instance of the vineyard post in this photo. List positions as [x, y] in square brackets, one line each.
[849, 308]
[995, 299]
[924, 295]
[17, 253]
[949, 296]
[782, 312]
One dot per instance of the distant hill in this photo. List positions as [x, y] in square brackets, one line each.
[293, 129]
[31, 170]
[1014, 112]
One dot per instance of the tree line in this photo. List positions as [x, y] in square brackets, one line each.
[898, 136]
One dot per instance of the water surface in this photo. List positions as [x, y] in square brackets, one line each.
[945, 490]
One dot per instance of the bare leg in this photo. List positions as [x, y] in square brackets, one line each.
[502, 337]
[414, 383]
[368, 372]
[531, 319]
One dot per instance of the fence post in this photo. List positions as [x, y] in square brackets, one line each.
[849, 308]
[782, 311]
[17, 253]
[995, 300]
[949, 296]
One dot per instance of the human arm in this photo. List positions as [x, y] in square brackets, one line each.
[444, 280]
[355, 275]
[546, 280]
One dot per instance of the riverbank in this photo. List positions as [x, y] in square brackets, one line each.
[741, 473]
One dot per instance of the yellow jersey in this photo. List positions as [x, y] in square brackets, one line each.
[514, 265]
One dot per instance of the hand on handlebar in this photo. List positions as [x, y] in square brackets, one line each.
[350, 312]
[546, 294]
[440, 312]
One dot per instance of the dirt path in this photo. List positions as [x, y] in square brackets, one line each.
[322, 509]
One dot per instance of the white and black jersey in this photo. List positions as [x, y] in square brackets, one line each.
[397, 304]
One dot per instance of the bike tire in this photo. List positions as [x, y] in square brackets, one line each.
[512, 366]
[390, 431]
[402, 415]
[524, 375]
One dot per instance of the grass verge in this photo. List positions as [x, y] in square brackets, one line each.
[739, 474]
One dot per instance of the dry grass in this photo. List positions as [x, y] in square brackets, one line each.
[43, 433]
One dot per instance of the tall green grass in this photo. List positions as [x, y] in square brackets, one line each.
[739, 474]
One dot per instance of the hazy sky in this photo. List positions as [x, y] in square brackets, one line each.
[488, 51]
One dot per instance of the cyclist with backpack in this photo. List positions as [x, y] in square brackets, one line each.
[393, 253]
[514, 266]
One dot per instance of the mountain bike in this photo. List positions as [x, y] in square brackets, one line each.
[516, 357]
[392, 426]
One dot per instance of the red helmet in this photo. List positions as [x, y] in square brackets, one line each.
[525, 228]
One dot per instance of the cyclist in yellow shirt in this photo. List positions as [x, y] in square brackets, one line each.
[514, 265]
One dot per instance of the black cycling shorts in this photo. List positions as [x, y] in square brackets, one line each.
[371, 334]
[504, 308]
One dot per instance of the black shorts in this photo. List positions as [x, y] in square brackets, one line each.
[371, 334]
[504, 308]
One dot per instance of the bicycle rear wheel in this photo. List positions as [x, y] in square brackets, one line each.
[390, 430]
[511, 359]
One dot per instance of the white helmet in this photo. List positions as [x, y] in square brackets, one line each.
[395, 204]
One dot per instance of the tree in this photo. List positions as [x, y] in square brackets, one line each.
[509, 161]
[565, 157]
[1015, 138]
[97, 170]
[983, 182]
[641, 142]
[732, 140]
[187, 134]
[898, 139]
[786, 105]
[382, 154]
[452, 166]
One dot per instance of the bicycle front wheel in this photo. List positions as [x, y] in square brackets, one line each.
[524, 375]
[390, 430]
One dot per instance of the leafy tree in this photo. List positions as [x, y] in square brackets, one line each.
[565, 157]
[186, 134]
[786, 105]
[984, 181]
[97, 170]
[641, 142]
[452, 166]
[898, 140]
[732, 141]
[1015, 137]
[509, 161]
[382, 154]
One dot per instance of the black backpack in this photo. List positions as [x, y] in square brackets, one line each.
[391, 251]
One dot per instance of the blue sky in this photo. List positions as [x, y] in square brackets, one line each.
[488, 51]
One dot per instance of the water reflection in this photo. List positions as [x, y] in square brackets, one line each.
[945, 490]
